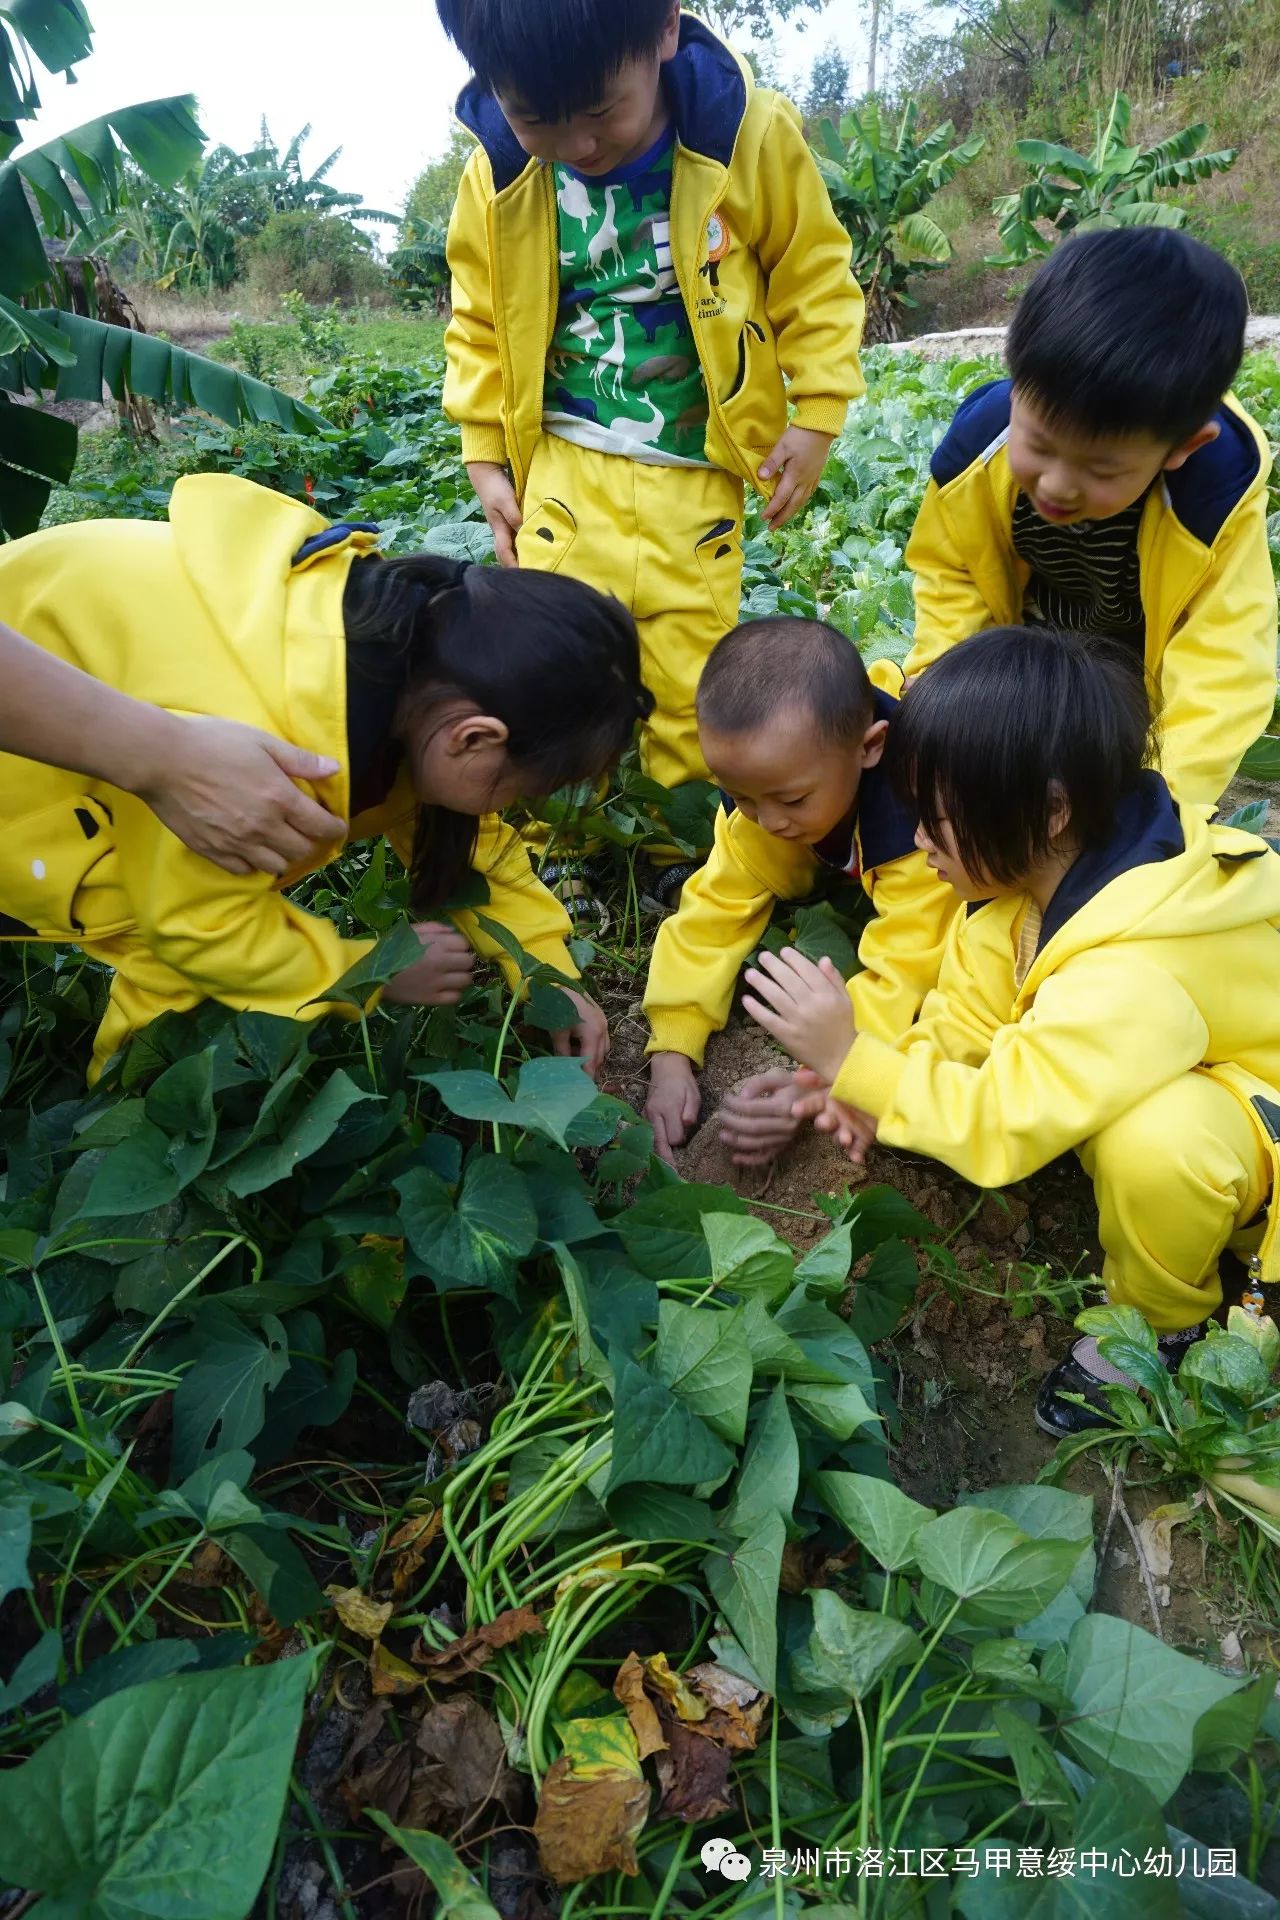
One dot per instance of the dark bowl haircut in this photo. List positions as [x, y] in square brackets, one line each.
[1006, 725]
[765, 668]
[555, 57]
[557, 662]
[1129, 330]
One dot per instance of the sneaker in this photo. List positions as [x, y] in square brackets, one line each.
[1086, 1372]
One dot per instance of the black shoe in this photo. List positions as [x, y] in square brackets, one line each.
[662, 885]
[573, 884]
[1061, 1418]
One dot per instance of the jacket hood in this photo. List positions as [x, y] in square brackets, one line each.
[707, 85]
[1202, 493]
[1163, 875]
[240, 545]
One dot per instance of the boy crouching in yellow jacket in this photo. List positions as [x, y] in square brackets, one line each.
[443, 692]
[1113, 986]
[1113, 487]
[794, 733]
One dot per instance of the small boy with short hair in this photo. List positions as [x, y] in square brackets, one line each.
[652, 304]
[1112, 988]
[1113, 486]
[794, 733]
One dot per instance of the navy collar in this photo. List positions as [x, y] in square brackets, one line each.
[705, 89]
[886, 828]
[1147, 830]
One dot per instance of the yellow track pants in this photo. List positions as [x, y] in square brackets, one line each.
[667, 542]
[1178, 1180]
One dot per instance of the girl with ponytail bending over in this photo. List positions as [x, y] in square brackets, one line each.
[444, 691]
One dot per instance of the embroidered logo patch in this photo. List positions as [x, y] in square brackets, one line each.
[711, 302]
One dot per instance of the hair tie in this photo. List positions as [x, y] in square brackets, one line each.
[436, 594]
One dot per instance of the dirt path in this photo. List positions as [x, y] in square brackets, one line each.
[1262, 331]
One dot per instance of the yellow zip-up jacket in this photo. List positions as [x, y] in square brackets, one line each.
[1158, 954]
[1208, 592]
[209, 614]
[726, 906]
[778, 299]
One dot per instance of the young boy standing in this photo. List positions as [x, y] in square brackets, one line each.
[1112, 486]
[794, 733]
[652, 304]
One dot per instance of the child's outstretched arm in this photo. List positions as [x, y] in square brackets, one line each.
[225, 790]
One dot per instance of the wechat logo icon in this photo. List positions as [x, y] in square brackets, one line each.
[721, 1856]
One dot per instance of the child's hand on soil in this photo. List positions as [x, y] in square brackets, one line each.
[227, 791]
[588, 1037]
[853, 1130]
[674, 1102]
[497, 496]
[442, 975]
[798, 460]
[806, 1007]
[758, 1119]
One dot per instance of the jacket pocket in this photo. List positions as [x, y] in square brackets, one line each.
[48, 857]
[752, 335]
[719, 556]
[544, 540]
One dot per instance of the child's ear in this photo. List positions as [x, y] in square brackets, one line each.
[670, 44]
[1059, 811]
[477, 733]
[874, 741]
[1201, 438]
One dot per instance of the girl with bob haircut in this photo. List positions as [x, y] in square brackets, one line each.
[1113, 987]
[443, 691]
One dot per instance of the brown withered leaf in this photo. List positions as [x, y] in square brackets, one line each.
[410, 1544]
[794, 1574]
[207, 1567]
[587, 1826]
[460, 1765]
[645, 1724]
[358, 1613]
[475, 1648]
[392, 1676]
[383, 1784]
[694, 1775]
[736, 1708]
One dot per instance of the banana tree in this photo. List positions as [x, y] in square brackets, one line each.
[59, 192]
[420, 264]
[1113, 186]
[880, 182]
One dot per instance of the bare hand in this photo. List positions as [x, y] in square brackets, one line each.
[442, 975]
[758, 1119]
[227, 791]
[854, 1131]
[805, 1007]
[588, 1037]
[497, 496]
[674, 1102]
[798, 460]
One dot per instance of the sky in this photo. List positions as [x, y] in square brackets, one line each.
[377, 78]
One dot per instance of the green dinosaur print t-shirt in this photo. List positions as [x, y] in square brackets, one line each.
[623, 374]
